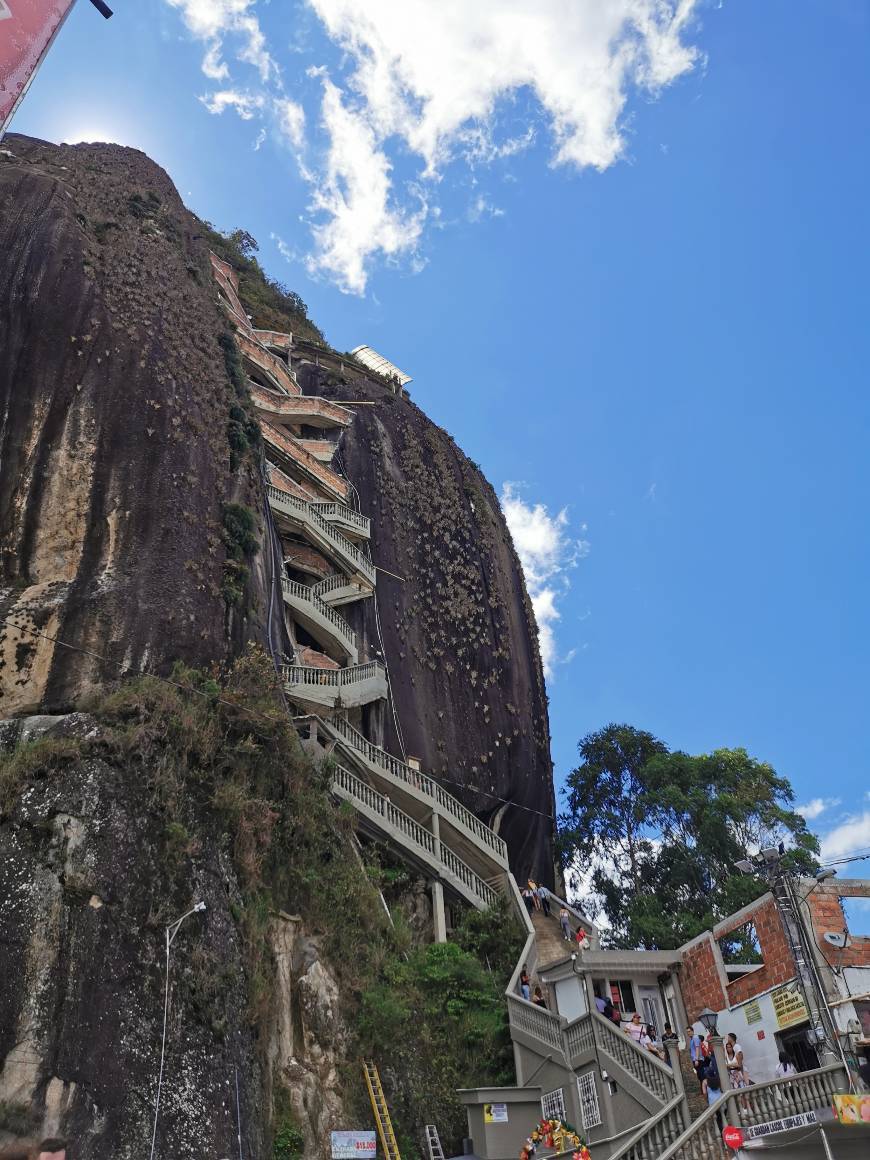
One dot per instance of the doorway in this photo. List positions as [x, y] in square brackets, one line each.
[795, 1043]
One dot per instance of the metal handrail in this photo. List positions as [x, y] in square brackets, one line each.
[306, 509]
[423, 784]
[304, 592]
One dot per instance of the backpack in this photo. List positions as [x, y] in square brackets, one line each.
[711, 1074]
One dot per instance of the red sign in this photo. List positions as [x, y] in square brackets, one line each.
[733, 1137]
[27, 28]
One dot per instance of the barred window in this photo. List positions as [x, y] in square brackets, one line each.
[553, 1106]
[590, 1112]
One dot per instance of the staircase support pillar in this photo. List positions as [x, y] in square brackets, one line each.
[439, 918]
[677, 1072]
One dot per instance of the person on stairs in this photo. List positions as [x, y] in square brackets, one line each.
[529, 900]
[544, 898]
[525, 983]
[565, 923]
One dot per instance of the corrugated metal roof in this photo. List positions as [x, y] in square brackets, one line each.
[370, 358]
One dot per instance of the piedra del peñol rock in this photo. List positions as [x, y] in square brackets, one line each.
[195, 486]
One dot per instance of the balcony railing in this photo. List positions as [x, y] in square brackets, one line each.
[418, 781]
[293, 588]
[331, 678]
[306, 512]
[340, 511]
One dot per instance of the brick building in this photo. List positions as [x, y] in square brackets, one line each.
[744, 969]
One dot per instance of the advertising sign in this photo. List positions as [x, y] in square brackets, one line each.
[27, 28]
[852, 1109]
[495, 1113]
[752, 1011]
[353, 1145]
[798, 1120]
[789, 1007]
[733, 1137]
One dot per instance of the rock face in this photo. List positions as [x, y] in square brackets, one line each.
[115, 475]
[113, 440]
[85, 890]
[457, 631]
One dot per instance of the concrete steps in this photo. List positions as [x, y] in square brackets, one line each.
[548, 935]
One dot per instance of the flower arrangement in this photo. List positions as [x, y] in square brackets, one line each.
[555, 1134]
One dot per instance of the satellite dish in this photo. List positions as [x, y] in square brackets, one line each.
[837, 938]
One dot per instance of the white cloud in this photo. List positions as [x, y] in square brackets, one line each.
[816, 807]
[351, 194]
[214, 21]
[546, 552]
[435, 84]
[291, 117]
[245, 104]
[850, 837]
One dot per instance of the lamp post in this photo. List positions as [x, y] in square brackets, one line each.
[171, 932]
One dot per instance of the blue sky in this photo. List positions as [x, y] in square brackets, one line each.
[631, 283]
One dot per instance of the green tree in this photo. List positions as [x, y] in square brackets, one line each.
[658, 833]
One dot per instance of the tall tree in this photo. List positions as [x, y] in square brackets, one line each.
[655, 835]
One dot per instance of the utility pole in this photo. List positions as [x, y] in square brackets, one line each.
[823, 1031]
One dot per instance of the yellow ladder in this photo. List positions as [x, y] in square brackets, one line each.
[382, 1113]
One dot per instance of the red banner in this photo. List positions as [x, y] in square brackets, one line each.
[27, 28]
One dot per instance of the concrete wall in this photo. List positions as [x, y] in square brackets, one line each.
[570, 997]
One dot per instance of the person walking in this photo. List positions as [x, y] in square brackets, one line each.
[582, 939]
[525, 983]
[533, 887]
[669, 1034]
[565, 923]
[736, 1074]
[711, 1083]
[786, 1066]
[529, 900]
[544, 897]
[51, 1149]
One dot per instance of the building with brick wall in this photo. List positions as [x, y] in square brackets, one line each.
[744, 969]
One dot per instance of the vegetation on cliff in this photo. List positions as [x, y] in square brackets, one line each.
[222, 762]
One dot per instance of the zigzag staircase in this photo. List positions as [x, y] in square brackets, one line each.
[382, 1114]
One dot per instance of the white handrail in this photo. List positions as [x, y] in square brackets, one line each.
[422, 783]
[335, 678]
[305, 509]
[304, 592]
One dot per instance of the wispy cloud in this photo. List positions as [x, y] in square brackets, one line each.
[851, 836]
[816, 807]
[430, 83]
[547, 551]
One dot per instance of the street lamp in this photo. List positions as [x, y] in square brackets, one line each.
[709, 1018]
[171, 932]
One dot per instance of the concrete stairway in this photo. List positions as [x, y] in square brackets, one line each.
[548, 935]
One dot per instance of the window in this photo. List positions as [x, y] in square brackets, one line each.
[590, 1113]
[553, 1106]
[622, 996]
[741, 948]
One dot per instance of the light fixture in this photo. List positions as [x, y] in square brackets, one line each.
[745, 866]
[709, 1018]
[771, 854]
[824, 875]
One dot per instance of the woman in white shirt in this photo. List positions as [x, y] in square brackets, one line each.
[785, 1066]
